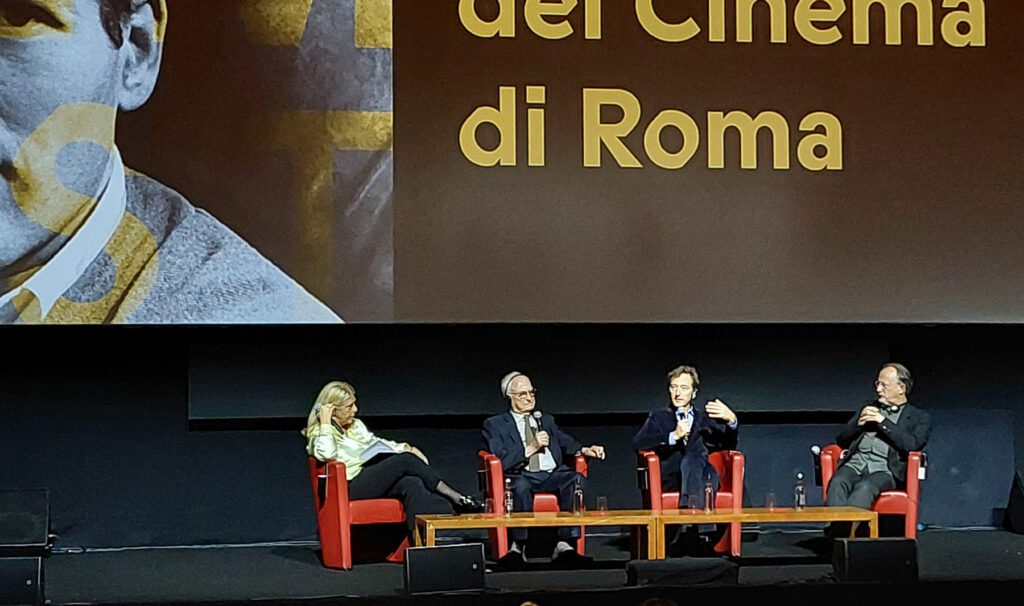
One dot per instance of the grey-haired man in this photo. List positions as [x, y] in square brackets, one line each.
[534, 453]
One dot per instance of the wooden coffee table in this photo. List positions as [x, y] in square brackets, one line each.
[430, 524]
[775, 515]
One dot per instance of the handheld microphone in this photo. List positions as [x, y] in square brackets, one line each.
[536, 417]
[816, 455]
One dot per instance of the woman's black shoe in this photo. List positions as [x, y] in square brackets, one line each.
[469, 504]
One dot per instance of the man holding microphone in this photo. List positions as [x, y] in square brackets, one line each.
[535, 455]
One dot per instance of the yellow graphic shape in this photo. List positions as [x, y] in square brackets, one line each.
[275, 22]
[11, 15]
[27, 307]
[38, 190]
[373, 23]
[133, 250]
[283, 22]
[311, 138]
[161, 21]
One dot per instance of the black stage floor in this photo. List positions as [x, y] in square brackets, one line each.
[953, 566]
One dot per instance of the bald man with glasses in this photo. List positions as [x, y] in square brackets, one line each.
[535, 455]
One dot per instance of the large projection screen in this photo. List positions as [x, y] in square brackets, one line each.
[511, 161]
[712, 160]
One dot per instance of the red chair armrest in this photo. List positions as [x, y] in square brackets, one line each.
[830, 456]
[652, 464]
[581, 464]
[913, 479]
[738, 463]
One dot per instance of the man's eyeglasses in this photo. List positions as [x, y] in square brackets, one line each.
[522, 394]
[679, 388]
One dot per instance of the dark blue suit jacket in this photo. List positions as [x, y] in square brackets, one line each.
[501, 437]
[705, 434]
[690, 460]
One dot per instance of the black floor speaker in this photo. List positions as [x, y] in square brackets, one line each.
[1015, 508]
[24, 523]
[445, 569]
[885, 559]
[679, 572]
[21, 581]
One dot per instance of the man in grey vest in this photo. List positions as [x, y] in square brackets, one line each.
[878, 439]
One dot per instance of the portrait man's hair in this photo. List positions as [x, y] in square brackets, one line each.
[114, 14]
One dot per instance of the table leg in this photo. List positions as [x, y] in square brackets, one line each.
[431, 532]
[873, 526]
[659, 538]
[653, 543]
[417, 536]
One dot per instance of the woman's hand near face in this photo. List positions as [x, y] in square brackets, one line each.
[325, 413]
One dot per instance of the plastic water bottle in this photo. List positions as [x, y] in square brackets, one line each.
[578, 504]
[508, 497]
[799, 492]
[709, 496]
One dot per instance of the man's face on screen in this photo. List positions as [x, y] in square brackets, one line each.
[60, 79]
[522, 394]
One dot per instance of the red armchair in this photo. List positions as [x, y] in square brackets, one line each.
[494, 489]
[728, 463]
[336, 514]
[895, 502]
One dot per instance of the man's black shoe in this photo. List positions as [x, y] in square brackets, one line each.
[571, 559]
[512, 561]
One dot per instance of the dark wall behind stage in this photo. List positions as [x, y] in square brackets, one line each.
[577, 368]
[101, 417]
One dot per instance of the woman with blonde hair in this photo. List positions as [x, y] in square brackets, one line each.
[376, 467]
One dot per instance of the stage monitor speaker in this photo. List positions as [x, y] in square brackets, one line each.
[888, 559]
[679, 572]
[21, 581]
[445, 569]
[1014, 520]
[24, 523]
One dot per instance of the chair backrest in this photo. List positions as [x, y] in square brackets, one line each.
[330, 485]
[492, 480]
